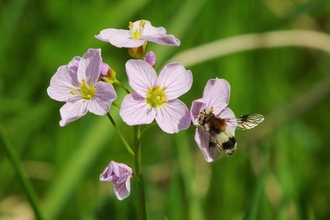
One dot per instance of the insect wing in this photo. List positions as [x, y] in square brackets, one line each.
[249, 121]
[214, 148]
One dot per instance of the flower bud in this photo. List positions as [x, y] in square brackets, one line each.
[107, 74]
[151, 59]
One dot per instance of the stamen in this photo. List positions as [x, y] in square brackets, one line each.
[73, 91]
[156, 97]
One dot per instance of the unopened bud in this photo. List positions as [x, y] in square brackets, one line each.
[151, 59]
[107, 74]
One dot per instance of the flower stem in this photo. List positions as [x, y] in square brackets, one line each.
[121, 85]
[138, 173]
[21, 173]
[120, 134]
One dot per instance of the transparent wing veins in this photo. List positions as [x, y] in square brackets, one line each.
[249, 121]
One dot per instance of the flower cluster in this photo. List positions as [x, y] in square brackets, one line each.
[85, 84]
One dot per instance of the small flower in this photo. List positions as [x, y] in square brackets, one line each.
[151, 59]
[156, 97]
[137, 36]
[216, 97]
[120, 175]
[139, 32]
[77, 85]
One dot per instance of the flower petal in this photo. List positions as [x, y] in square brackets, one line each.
[148, 28]
[123, 39]
[157, 34]
[135, 111]
[106, 175]
[107, 33]
[74, 109]
[141, 76]
[196, 107]
[118, 38]
[73, 64]
[176, 79]
[202, 139]
[101, 102]
[89, 66]
[61, 84]
[122, 190]
[173, 117]
[232, 123]
[162, 39]
[218, 92]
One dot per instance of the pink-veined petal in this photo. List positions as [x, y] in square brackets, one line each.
[101, 102]
[218, 92]
[135, 111]
[196, 107]
[119, 38]
[109, 32]
[162, 39]
[202, 139]
[173, 117]
[176, 79]
[149, 29]
[122, 190]
[61, 84]
[229, 114]
[74, 109]
[157, 34]
[89, 66]
[73, 64]
[119, 41]
[141, 76]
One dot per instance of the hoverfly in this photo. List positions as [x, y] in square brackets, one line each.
[221, 138]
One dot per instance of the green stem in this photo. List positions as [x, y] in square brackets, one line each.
[32, 196]
[120, 134]
[121, 85]
[116, 104]
[138, 173]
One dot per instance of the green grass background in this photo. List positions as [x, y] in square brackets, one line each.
[281, 169]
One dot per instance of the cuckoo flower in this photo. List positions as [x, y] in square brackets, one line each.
[120, 175]
[137, 36]
[215, 99]
[77, 85]
[156, 97]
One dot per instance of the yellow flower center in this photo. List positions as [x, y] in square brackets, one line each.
[136, 33]
[86, 91]
[156, 97]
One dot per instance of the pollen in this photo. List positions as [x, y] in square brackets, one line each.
[136, 33]
[156, 97]
[85, 90]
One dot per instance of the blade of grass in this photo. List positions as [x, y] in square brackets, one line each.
[223, 47]
[252, 211]
[32, 196]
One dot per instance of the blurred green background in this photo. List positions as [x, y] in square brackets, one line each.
[281, 169]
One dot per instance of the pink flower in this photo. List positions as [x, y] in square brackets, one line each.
[156, 97]
[139, 32]
[216, 95]
[77, 85]
[120, 175]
